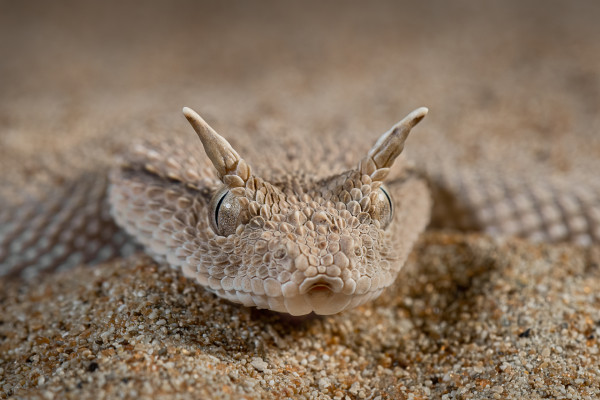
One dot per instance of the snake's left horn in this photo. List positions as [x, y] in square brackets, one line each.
[389, 146]
[231, 168]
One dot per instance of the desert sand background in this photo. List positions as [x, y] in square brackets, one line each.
[509, 85]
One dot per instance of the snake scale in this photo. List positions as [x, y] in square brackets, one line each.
[281, 238]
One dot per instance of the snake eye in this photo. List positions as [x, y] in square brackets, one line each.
[225, 212]
[382, 209]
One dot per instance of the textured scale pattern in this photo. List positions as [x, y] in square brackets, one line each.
[544, 209]
[300, 247]
[290, 241]
[70, 226]
[295, 242]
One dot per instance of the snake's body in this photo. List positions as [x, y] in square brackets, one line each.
[277, 237]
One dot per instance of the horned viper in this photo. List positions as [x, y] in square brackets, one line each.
[280, 239]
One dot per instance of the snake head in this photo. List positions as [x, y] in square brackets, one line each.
[302, 246]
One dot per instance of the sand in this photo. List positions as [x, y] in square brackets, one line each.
[469, 317]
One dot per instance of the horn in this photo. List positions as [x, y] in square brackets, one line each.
[225, 159]
[389, 146]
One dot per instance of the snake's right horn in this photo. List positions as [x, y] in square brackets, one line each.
[231, 168]
[389, 146]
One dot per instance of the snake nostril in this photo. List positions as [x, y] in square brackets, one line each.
[319, 288]
[319, 293]
[321, 284]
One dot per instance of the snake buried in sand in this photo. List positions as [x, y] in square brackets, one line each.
[288, 242]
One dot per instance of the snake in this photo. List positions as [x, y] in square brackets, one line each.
[281, 238]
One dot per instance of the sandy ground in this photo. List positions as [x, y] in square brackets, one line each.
[470, 317]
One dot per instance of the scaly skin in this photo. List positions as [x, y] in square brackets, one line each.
[282, 239]
[291, 245]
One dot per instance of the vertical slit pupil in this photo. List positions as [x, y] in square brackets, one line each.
[387, 197]
[218, 207]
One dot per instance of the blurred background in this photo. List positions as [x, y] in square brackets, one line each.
[502, 79]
